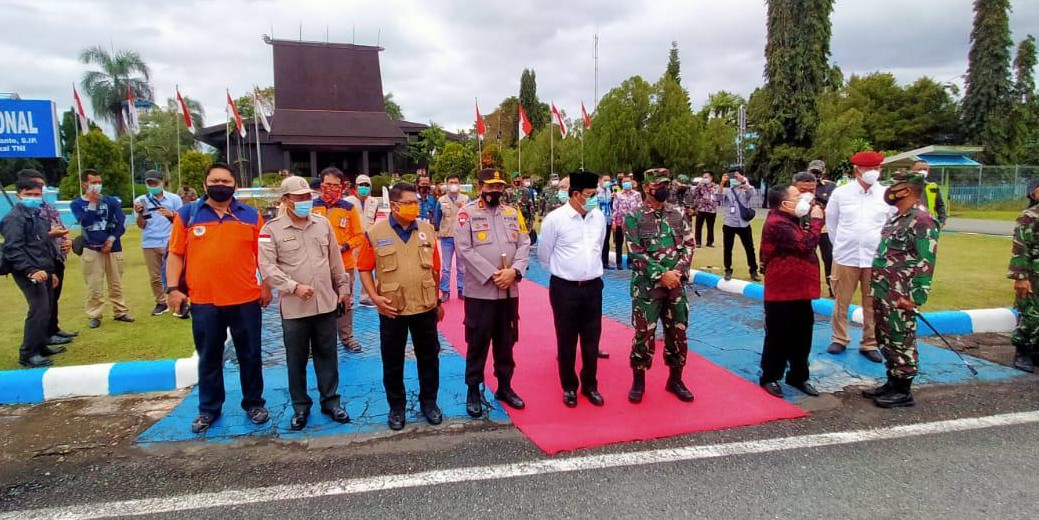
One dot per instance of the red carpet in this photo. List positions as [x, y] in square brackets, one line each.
[723, 399]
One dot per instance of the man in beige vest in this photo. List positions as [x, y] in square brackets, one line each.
[404, 254]
[450, 203]
[494, 247]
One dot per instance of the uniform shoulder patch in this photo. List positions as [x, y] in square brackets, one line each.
[463, 216]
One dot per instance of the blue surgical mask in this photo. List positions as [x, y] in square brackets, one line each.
[32, 202]
[734, 182]
[626, 185]
[591, 203]
[364, 190]
[154, 190]
[302, 208]
[563, 196]
[96, 188]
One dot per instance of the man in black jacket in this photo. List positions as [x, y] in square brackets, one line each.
[31, 257]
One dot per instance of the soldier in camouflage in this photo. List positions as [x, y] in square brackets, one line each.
[550, 196]
[1024, 270]
[899, 283]
[522, 198]
[660, 252]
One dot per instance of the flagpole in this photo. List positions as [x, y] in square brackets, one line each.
[256, 128]
[179, 181]
[479, 138]
[227, 130]
[552, 144]
[79, 156]
[582, 149]
[133, 174]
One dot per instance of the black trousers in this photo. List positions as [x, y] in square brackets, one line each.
[488, 326]
[59, 271]
[209, 325]
[606, 247]
[618, 244]
[393, 339]
[826, 251]
[312, 336]
[40, 298]
[701, 219]
[788, 340]
[729, 235]
[577, 313]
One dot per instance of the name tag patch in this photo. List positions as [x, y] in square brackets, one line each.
[384, 242]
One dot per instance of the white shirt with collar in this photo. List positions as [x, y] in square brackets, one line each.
[854, 218]
[571, 245]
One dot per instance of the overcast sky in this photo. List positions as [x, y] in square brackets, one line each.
[441, 54]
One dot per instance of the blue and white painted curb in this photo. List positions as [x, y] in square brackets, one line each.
[45, 384]
[947, 322]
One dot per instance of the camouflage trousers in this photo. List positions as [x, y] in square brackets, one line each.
[1026, 335]
[896, 336]
[674, 314]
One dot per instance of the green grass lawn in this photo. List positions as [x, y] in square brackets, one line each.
[971, 270]
[151, 337]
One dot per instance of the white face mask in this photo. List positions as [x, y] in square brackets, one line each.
[526, 184]
[922, 172]
[802, 208]
[808, 196]
[453, 188]
[554, 182]
[870, 177]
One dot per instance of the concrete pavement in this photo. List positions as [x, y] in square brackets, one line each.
[981, 226]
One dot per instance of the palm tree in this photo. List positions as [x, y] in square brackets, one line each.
[198, 114]
[107, 87]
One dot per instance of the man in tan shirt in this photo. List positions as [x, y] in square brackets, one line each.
[300, 258]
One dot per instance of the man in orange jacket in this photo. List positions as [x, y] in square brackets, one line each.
[346, 222]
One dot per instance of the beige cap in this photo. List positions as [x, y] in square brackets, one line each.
[295, 186]
[363, 179]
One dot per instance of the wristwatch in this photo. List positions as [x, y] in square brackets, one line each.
[519, 275]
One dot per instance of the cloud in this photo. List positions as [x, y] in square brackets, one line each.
[442, 55]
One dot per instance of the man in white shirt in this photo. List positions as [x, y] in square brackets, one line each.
[571, 246]
[855, 215]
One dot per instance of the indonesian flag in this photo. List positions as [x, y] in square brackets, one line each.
[481, 128]
[237, 116]
[185, 112]
[258, 110]
[559, 120]
[133, 124]
[587, 120]
[523, 124]
[84, 124]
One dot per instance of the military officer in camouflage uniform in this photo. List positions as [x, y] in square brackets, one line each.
[899, 283]
[660, 251]
[550, 196]
[1024, 270]
[492, 243]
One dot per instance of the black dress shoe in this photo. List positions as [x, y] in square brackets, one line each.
[58, 340]
[474, 401]
[65, 334]
[36, 361]
[337, 414]
[836, 348]
[93, 323]
[1024, 363]
[807, 388]
[872, 355]
[728, 275]
[396, 420]
[594, 397]
[433, 414]
[202, 423]
[570, 398]
[754, 277]
[53, 351]
[125, 318]
[258, 415]
[298, 422]
[773, 389]
[507, 396]
[604, 355]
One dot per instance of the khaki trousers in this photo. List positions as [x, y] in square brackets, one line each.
[845, 280]
[153, 260]
[345, 323]
[97, 269]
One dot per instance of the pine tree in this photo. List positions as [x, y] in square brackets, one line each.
[987, 99]
[674, 66]
[1024, 71]
[1025, 118]
[797, 70]
[536, 110]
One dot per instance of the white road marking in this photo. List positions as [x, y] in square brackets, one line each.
[244, 497]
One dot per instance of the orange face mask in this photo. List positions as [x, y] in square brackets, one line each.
[408, 212]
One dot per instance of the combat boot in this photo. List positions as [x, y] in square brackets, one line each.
[638, 386]
[474, 401]
[1024, 363]
[899, 396]
[677, 387]
[878, 391]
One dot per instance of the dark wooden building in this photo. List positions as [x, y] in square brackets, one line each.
[329, 111]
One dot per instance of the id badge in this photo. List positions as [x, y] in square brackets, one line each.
[732, 210]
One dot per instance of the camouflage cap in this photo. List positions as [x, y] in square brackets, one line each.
[683, 178]
[816, 166]
[905, 177]
[490, 176]
[656, 175]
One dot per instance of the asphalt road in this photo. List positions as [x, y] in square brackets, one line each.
[981, 226]
[981, 473]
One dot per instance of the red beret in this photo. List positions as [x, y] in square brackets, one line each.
[867, 159]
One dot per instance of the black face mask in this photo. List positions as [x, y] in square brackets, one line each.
[423, 189]
[491, 198]
[220, 192]
[661, 194]
[891, 197]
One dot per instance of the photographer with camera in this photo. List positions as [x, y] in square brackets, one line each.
[154, 211]
[733, 196]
